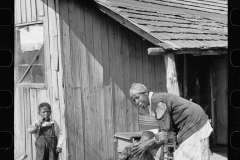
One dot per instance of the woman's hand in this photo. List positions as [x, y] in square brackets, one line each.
[59, 150]
[140, 148]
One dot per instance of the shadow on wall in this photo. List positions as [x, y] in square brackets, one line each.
[101, 59]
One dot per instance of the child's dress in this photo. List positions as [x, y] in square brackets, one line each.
[48, 138]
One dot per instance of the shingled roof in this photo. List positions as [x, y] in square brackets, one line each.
[173, 24]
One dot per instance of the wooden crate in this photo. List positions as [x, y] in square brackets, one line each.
[124, 139]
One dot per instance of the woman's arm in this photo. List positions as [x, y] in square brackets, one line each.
[162, 114]
[140, 148]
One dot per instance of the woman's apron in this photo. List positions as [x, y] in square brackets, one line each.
[46, 144]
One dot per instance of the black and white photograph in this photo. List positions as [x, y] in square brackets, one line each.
[121, 80]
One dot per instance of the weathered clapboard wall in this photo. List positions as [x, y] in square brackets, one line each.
[101, 59]
[28, 11]
[27, 98]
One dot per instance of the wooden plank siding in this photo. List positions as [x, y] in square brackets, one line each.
[88, 78]
[29, 11]
[23, 11]
[28, 98]
[101, 59]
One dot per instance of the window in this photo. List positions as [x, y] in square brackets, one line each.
[29, 53]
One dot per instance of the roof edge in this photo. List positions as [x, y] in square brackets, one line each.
[195, 52]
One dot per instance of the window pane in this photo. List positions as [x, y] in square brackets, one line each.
[30, 54]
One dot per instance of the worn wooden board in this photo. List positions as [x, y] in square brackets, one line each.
[27, 122]
[22, 125]
[106, 82]
[61, 82]
[133, 78]
[126, 74]
[84, 79]
[220, 96]
[84, 84]
[145, 71]
[108, 122]
[79, 120]
[34, 117]
[29, 10]
[90, 64]
[96, 81]
[55, 99]
[18, 14]
[53, 33]
[58, 25]
[17, 124]
[113, 75]
[68, 79]
[23, 11]
[119, 82]
[74, 45]
[139, 63]
[98, 68]
[71, 112]
[124, 91]
[34, 10]
[112, 36]
[80, 106]
[65, 39]
[76, 121]
[17, 109]
[48, 77]
[55, 85]
[15, 11]
[40, 9]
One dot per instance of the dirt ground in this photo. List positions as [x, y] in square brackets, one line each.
[219, 153]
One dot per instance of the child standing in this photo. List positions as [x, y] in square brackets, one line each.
[49, 138]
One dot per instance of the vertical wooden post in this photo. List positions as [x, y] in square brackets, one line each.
[212, 101]
[172, 82]
[185, 77]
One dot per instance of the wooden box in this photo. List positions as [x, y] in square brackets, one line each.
[124, 139]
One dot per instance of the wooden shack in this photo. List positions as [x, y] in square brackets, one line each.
[83, 56]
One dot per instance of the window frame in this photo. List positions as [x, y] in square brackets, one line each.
[17, 79]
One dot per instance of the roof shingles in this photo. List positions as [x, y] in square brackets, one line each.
[180, 30]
